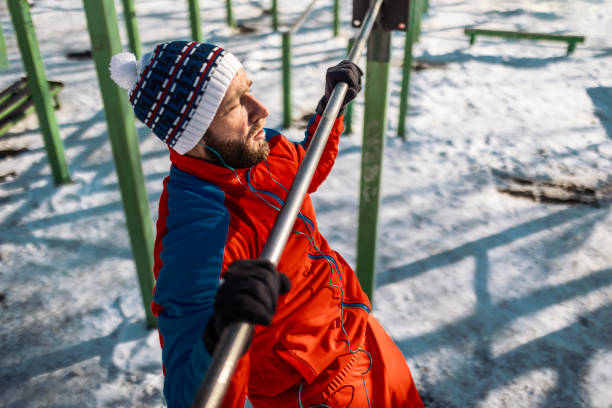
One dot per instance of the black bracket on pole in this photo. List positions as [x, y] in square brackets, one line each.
[394, 14]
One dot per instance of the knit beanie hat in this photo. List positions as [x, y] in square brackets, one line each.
[176, 89]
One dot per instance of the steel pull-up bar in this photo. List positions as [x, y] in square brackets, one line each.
[235, 337]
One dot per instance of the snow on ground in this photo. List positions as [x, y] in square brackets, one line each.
[495, 300]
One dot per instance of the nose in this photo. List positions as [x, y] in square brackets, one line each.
[257, 110]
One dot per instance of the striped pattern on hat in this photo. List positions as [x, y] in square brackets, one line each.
[179, 90]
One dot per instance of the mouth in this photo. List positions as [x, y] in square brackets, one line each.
[259, 135]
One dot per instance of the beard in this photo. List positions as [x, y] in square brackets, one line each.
[241, 153]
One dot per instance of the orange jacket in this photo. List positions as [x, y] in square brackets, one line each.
[210, 216]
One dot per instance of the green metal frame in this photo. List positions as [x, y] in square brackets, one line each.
[336, 18]
[16, 103]
[287, 110]
[275, 15]
[418, 6]
[3, 52]
[195, 20]
[129, 14]
[374, 126]
[407, 70]
[348, 117]
[571, 40]
[105, 42]
[230, 14]
[39, 88]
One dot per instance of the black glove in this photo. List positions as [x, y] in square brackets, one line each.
[346, 72]
[248, 293]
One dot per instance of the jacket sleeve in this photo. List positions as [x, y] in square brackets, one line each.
[192, 256]
[328, 157]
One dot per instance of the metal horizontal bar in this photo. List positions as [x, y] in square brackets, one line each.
[25, 108]
[522, 34]
[20, 94]
[298, 24]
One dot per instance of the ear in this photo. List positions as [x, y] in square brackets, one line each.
[199, 151]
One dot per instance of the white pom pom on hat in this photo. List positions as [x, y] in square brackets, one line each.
[124, 70]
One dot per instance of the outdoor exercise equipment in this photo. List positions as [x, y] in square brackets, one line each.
[230, 13]
[236, 336]
[286, 64]
[275, 15]
[129, 15]
[3, 52]
[105, 42]
[571, 40]
[372, 150]
[336, 17]
[16, 102]
[348, 117]
[286, 60]
[395, 15]
[417, 7]
[39, 88]
[195, 20]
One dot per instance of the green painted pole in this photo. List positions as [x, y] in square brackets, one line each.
[3, 52]
[230, 13]
[407, 70]
[570, 39]
[39, 88]
[275, 15]
[348, 118]
[336, 18]
[418, 11]
[129, 14]
[286, 79]
[105, 42]
[196, 20]
[374, 126]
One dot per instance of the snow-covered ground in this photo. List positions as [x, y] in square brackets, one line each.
[496, 300]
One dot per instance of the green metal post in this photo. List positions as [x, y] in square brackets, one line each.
[129, 14]
[336, 17]
[275, 15]
[196, 20]
[348, 117]
[418, 14]
[407, 70]
[286, 79]
[230, 14]
[374, 126]
[3, 52]
[571, 40]
[39, 88]
[105, 42]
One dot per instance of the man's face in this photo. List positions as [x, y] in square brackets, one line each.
[236, 132]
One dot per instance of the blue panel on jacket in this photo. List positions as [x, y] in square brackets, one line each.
[192, 255]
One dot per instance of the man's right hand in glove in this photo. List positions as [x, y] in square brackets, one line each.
[347, 72]
[248, 293]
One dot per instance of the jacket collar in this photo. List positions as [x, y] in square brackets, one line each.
[204, 170]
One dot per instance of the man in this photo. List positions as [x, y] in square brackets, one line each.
[315, 343]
